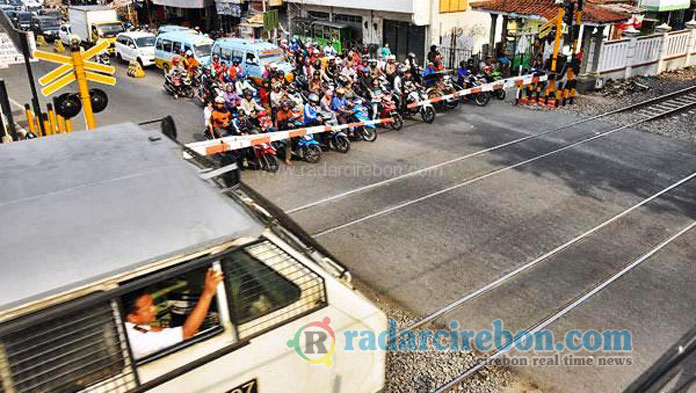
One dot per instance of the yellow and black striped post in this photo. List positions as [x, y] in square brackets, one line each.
[31, 120]
[52, 118]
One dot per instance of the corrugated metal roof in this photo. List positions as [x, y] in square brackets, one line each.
[83, 206]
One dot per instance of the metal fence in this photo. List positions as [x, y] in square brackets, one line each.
[452, 56]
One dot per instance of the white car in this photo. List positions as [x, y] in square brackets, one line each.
[136, 45]
[64, 34]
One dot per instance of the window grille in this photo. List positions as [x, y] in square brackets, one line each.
[84, 350]
[269, 287]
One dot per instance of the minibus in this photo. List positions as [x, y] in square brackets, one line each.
[253, 56]
[176, 43]
[112, 225]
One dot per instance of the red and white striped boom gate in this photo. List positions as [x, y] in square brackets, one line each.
[497, 85]
[229, 143]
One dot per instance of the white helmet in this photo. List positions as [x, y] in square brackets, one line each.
[219, 100]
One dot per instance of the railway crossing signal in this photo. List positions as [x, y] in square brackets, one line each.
[77, 67]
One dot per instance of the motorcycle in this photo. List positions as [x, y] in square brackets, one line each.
[492, 76]
[413, 95]
[103, 58]
[361, 114]
[334, 140]
[178, 85]
[386, 108]
[480, 98]
[442, 87]
[207, 92]
[304, 147]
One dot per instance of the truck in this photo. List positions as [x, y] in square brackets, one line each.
[95, 23]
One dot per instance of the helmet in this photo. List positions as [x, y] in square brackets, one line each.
[235, 60]
[366, 69]
[411, 55]
[391, 57]
[219, 100]
[189, 53]
[402, 70]
[340, 90]
[175, 60]
[313, 98]
[241, 75]
[248, 92]
[285, 104]
[216, 57]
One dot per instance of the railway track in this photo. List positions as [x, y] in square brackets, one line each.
[577, 302]
[666, 105]
[669, 103]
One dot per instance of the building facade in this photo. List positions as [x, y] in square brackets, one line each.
[406, 25]
[190, 13]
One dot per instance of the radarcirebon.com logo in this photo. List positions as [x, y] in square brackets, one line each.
[315, 342]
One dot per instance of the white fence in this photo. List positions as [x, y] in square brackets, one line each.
[647, 55]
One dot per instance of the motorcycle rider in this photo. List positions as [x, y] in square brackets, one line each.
[220, 119]
[339, 104]
[284, 120]
[176, 71]
[191, 64]
[364, 83]
[216, 64]
[390, 68]
[243, 84]
[311, 111]
[235, 69]
[325, 104]
[249, 106]
[232, 99]
[462, 72]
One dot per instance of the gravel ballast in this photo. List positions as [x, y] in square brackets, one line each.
[423, 371]
[621, 93]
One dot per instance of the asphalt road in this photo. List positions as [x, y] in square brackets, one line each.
[426, 240]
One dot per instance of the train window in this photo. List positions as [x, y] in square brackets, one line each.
[161, 318]
[78, 350]
[268, 287]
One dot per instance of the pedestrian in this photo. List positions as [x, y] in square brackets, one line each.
[385, 51]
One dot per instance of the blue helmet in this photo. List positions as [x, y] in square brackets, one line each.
[241, 75]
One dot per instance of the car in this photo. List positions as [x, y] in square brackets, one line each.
[64, 33]
[22, 20]
[47, 26]
[136, 45]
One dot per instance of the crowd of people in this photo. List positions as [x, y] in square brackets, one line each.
[322, 80]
